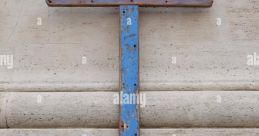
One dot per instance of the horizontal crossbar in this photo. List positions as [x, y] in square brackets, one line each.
[142, 3]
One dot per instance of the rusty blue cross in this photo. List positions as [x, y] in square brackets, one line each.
[129, 49]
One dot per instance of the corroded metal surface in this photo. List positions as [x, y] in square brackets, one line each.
[155, 3]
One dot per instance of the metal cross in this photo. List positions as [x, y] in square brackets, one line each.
[129, 49]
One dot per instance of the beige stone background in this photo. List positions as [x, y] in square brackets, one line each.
[210, 91]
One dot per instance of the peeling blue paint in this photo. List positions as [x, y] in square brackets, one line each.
[129, 50]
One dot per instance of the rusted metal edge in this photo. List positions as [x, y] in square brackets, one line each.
[141, 3]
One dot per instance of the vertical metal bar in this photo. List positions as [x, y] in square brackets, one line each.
[129, 53]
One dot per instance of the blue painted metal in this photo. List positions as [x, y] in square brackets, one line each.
[129, 51]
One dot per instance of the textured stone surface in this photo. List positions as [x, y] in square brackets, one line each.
[144, 132]
[48, 57]
[3, 99]
[201, 109]
[50, 110]
[162, 109]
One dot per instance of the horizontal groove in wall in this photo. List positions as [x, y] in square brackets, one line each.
[144, 86]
